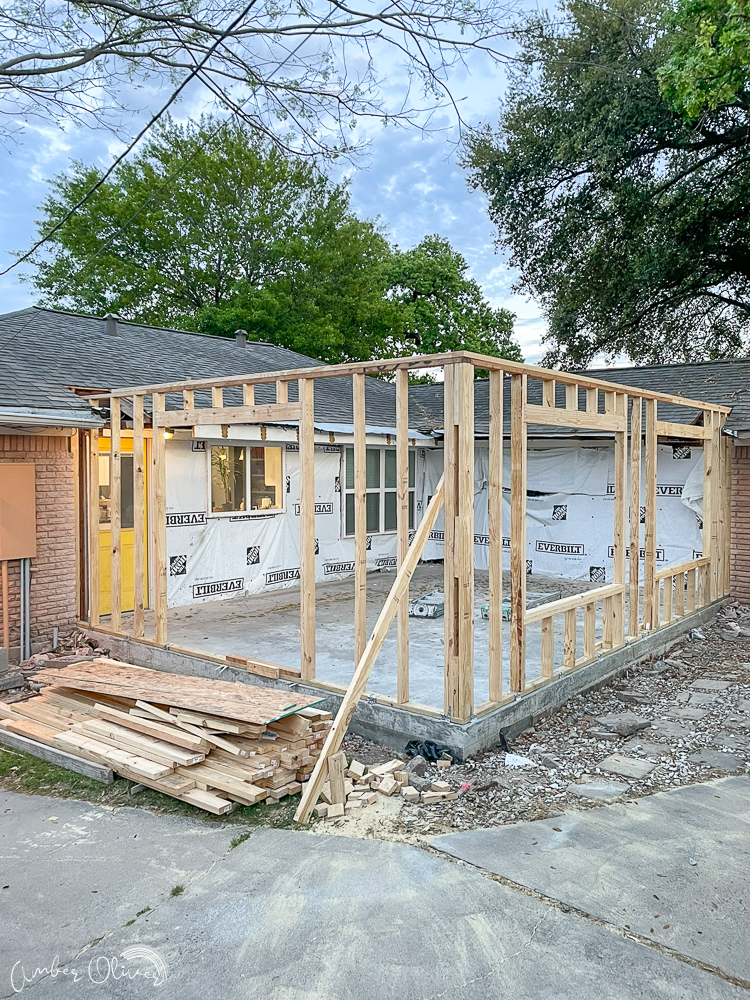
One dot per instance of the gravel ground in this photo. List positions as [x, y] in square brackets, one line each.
[697, 702]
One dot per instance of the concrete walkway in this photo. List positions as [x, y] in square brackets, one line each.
[300, 916]
[672, 868]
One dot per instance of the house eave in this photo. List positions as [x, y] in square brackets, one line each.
[25, 417]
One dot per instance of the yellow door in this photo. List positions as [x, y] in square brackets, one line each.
[126, 527]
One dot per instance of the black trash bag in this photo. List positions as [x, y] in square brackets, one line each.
[502, 743]
[430, 750]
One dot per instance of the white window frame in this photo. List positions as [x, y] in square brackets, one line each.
[381, 490]
[247, 445]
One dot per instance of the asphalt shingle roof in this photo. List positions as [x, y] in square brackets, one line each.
[725, 382]
[44, 352]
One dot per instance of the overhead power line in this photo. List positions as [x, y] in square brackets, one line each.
[151, 122]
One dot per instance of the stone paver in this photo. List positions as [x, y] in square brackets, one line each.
[727, 762]
[710, 684]
[598, 791]
[731, 740]
[687, 713]
[645, 748]
[626, 767]
[623, 723]
[698, 698]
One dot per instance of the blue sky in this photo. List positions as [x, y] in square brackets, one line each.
[409, 179]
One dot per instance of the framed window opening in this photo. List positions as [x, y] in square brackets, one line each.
[245, 479]
[382, 490]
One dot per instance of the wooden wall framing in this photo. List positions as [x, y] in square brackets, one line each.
[538, 397]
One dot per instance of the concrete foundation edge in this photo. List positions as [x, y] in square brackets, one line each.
[394, 727]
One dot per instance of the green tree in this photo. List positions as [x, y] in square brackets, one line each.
[628, 222]
[709, 61]
[245, 236]
[441, 309]
[250, 237]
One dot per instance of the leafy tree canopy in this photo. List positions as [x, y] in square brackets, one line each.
[216, 236]
[709, 61]
[628, 221]
[441, 308]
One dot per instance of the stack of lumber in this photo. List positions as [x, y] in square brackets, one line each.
[355, 786]
[209, 743]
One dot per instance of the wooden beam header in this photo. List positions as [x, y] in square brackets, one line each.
[417, 363]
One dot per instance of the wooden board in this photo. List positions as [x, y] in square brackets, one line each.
[495, 522]
[360, 517]
[402, 523]
[418, 363]
[359, 681]
[518, 466]
[54, 755]
[229, 415]
[244, 702]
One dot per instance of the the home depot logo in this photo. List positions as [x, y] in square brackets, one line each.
[235, 586]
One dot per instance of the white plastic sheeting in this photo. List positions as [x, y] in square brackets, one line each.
[211, 557]
[569, 509]
[569, 518]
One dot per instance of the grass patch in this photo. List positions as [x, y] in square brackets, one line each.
[239, 839]
[177, 890]
[21, 772]
[146, 909]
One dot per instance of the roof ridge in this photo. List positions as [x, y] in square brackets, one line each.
[164, 329]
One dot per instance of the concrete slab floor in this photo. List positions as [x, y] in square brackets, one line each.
[671, 867]
[289, 915]
[266, 626]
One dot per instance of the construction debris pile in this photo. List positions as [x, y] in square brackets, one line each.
[206, 742]
[355, 785]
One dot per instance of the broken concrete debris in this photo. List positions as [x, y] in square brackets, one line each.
[627, 767]
[623, 723]
[598, 791]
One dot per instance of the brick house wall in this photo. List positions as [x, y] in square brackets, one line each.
[740, 523]
[53, 583]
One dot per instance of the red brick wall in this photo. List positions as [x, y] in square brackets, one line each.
[740, 507]
[53, 570]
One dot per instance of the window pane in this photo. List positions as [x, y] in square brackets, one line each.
[412, 465]
[265, 479]
[411, 510]
[349, 514]
[390, 512]
[390, 469]
[373, 513]
[227, 478]
[373, 468]
[350, 468]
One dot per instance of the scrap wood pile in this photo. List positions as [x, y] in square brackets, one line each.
[355, 785]
[206, 742]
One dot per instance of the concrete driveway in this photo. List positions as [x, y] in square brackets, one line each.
[299, 916]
